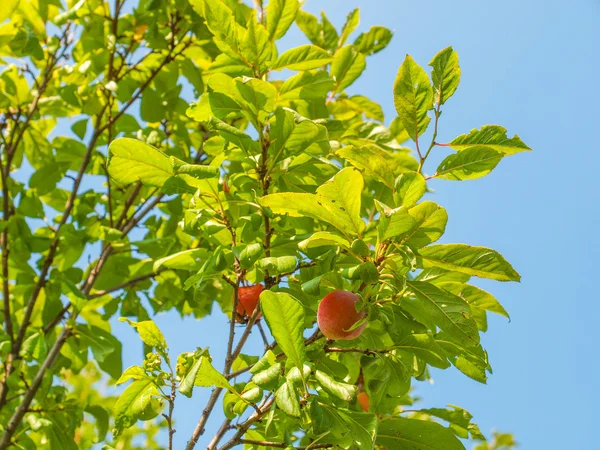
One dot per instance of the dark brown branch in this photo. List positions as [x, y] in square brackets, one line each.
[53, 247]
[355, 350]
[247, 424]
[128, 203]
[10, 151]
[124, 285]
[133, 221]
[201, 425]
[15, 420]
[263, 335]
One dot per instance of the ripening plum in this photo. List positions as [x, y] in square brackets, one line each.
[363, 400]
[248, 299]
[337, 314]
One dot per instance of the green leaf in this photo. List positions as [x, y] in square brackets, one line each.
[280, 16]
[471, 361]
[286, 398]
[413, 97]
[374, 40]
[305, 57]
[152, 108]
[436, 276]
[352, 21]
[256, 46]
[445, 74]
[6, 9]
[347, 65]
[424, 347]
[493, 136]
[34, 347]
[248, 254]
[306, 86]
[202, 373]
[132, 373]
[267, 360]
[396, 224]
[474, 162]
[366, 106]
[296, 376]
[448, 311]
[431, 220]
[413, 434]
[133, 404]
[278, 265]
[360, 427]
[289, 135]
[26, 43]
[220, 21]
[322, 34]
[285, 318]
[475, 297]
[215, 105]
[458, 418]
[185, 260]
[149, 333]
[374, 161]
[409, 188]
[343, 391]
[132, 160]
[258, 95]
[105, 347]
[197, 171]
[101, 417]
[398, 131]
[321, 238]
[476, 261]
[336, 202]
[234, 135]
[266, 376]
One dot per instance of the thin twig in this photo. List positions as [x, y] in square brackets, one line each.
[282, 444]
[263, 335]
[247, 424]
[355, 350]
[201, 425]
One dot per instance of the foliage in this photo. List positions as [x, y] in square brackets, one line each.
[150, 204]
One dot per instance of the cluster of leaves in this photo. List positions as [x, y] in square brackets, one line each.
[292, 183]
[73, 76]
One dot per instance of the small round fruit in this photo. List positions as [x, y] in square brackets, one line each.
[363, 401]
[248, 299]
[337, 314]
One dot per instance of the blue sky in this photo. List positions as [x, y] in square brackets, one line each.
[532, 67]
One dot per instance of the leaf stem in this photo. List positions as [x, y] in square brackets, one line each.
[433, 138]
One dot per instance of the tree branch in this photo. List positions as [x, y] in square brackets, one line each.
[55, 350]
[281, 444]
[15, 420]
[201, 425]
[355, 350]
[124, 285]
[247, 424]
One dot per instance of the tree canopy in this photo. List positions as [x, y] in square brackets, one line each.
[121, 199]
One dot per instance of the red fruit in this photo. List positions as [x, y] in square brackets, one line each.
[248, 299]
[363, 401]
[337, 314]
[226, 187]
